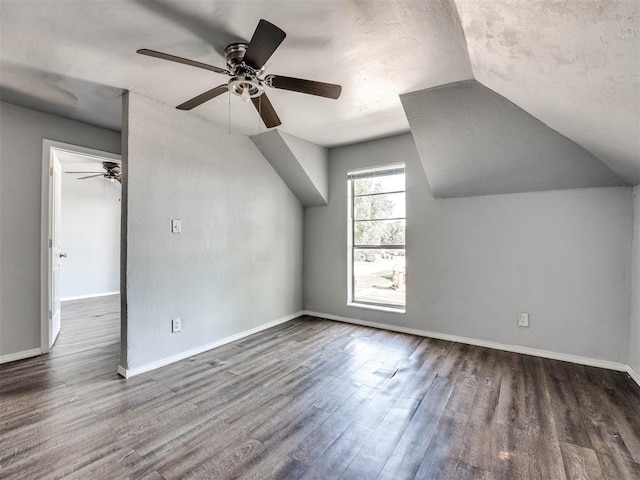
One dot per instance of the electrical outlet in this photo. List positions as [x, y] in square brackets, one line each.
[523, 319]
[176, 325]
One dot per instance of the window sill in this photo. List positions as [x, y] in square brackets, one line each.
[380, 308]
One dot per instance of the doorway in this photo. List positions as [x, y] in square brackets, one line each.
[80, 251]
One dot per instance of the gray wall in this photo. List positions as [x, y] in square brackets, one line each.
[473, 263]
[473, 141]
[237, 263]
[314, 161]
[275, 146]
[90, 236]
[21, 134]
[634, 330]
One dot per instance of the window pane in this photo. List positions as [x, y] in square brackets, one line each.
[379, 276]
[382, 184]
[378, 225]
[378, 232]
[375, 207]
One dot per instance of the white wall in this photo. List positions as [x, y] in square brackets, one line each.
[634, 330]
[90, 236]
[473, 263]
[236, 265]
[21, 134]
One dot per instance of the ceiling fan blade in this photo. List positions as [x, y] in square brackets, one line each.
[264, 42]
[91, 176]
[311, 87]
[81, 172]
[185, 61]
[266, 111]
[203, 97]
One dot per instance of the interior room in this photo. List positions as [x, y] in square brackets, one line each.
[322, 239]
[90, 229]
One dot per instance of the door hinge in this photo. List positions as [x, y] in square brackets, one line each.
[51, 171]
[50, 314]
[50, 242]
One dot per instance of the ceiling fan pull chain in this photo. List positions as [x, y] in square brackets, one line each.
[229, 96]
[259, 122]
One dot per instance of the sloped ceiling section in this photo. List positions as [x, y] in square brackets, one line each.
[62, 95]
[472, 141]
[302, 165]
[313, 159]
[574, 65]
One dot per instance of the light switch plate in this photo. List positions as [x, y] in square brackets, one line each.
[176, 325]
[176, 225]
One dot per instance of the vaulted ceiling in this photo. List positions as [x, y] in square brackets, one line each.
[473, 141]
[573, 65]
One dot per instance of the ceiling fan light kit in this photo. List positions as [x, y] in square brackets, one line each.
[245, 87]
[245, 63]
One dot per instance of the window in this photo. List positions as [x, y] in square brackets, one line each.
[377, 237]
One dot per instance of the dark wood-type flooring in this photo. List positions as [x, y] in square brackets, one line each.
[311, 399]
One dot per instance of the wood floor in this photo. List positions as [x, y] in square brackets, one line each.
[311, 399]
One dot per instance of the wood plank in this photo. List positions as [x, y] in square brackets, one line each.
[580, 463]
[376, 450]
[311, 399]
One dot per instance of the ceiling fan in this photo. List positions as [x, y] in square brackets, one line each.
[112, 171]
[245, 66]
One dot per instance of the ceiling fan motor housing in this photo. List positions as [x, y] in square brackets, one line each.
[111, 167]
[113, 171]
[234, 54]
[244, 77]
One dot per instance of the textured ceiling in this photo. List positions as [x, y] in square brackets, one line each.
[375, 49]
[573, 64]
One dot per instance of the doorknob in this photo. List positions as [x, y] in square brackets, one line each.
[63, 255]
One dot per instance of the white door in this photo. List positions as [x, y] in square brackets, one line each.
[56, 253]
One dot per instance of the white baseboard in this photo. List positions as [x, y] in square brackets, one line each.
[592, 362]
[92, 295]
[12, 357]
[634, 375]
[130, 372]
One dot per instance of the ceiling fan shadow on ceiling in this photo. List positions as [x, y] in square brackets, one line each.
[112, 172]
[245, 66]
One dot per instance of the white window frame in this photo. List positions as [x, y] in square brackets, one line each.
[369, 173]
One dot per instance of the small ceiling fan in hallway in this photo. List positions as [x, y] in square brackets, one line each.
[112, 171]
[245, 66]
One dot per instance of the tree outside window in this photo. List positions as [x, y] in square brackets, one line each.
[378, 237]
